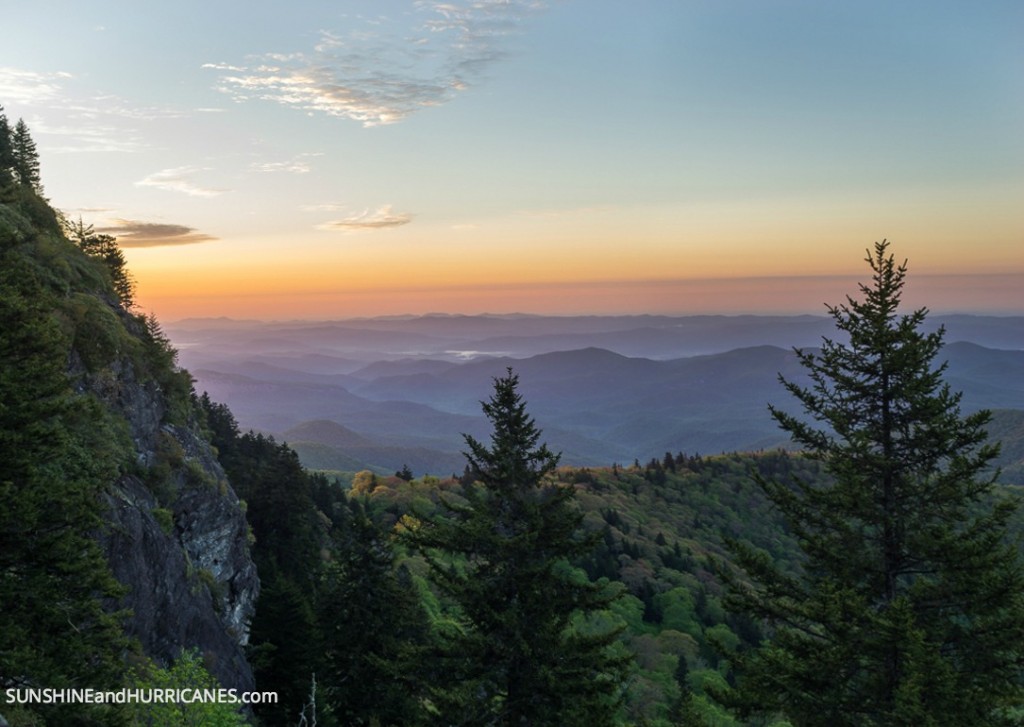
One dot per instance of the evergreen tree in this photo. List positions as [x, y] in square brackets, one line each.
[26, 158]
[524, 655]
[283, 643]
[908, 609]
[6, 151]
[375, 630]
[288, 535]
[682, 711]
[105, 248]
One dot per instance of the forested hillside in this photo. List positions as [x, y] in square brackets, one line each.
[660, 530]
[124, 558]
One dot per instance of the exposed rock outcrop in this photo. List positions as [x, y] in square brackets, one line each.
[177, 536]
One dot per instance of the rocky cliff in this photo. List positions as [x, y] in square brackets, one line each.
[177, 537]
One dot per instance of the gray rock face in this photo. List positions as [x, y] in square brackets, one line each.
[174, 605]
[141, 404]
[178, 541]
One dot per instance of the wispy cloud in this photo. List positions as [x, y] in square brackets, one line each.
[19, 86]
[80, 122]
[80, 137]
[383, 75]
[132, 233]
[293, 167]
[91, 210]
[378, 219]
[326, 207]
[50, 90]
[179, 179]
[297, 165]
[223, 67]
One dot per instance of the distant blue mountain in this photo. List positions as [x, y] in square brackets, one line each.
[596, 405]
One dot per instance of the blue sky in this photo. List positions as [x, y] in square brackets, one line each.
[329, 158]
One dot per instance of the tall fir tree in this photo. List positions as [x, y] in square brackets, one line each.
[6, 151]
[523, 655]
[26, 157]
[908, 609]
[375, 630]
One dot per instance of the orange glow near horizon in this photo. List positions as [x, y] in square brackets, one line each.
[534, 266]
[772, 256]
[993, 294]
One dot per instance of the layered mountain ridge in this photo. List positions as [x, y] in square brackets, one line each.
[597, 405]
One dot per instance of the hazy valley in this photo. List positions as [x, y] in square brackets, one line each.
[385, 392]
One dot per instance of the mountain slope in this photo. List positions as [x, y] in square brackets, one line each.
[171, 530]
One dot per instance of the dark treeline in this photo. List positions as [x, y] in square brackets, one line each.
[19, 159]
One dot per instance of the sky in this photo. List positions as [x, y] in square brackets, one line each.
[334, 159]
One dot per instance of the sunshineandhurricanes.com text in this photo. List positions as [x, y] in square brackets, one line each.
[135, 696]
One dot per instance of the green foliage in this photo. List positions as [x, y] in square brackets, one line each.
[53, 627]
[164, 518]
[284, 643]
[375, 629]
[25, 157]
[288, 534]
[908, 605]
[169, 457]
[703, 499]
[160, 358]
[189, 675]
[6, 154]
[105, 249]
[99, 334]
[518, 656]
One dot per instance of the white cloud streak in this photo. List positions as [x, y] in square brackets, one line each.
[179, 179]
[298, 165]
[379, 219]
[80, 123]
[18, 86]
[326, 207]
[378, 79]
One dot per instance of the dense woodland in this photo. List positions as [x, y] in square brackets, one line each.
[871, 579]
